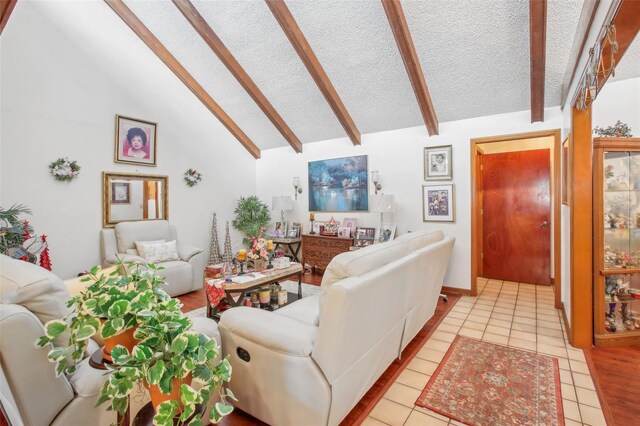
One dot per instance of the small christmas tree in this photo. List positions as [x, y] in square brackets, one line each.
[214, 248]
[228, 252]
[45, 260]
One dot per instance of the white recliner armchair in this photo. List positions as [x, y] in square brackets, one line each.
[30, 392]
[182, 276]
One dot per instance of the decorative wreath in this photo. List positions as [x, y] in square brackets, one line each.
[192, 177]
[64, 169]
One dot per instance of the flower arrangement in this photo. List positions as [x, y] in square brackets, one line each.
[618, 130]
[258, 249]
[64, 170]
[192, 177]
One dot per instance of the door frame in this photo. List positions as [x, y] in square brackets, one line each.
[476, 219]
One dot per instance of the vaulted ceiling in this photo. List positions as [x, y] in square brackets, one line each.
[474, 57]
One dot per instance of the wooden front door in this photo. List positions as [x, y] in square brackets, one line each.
[516, 216]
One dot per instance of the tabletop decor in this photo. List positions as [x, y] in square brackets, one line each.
[251, 216]
[474, 375]
[16, 240]
[64, 170]
[339, 184]
[192, 177]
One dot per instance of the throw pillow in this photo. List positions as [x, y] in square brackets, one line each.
[158, 253]
[137, 243]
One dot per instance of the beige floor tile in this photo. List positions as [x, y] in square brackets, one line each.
[525, 308]
[497, 330]
[506, 311]
[437, 345]
[525, 303]
[487, 308]
[499, 323]
[576, 354]
[553, 341]
[444, 336]
[452, 321]
[370, 421]
[523, 320]
[431, 355]
[465, 304]
[495, 338]
[431, 413]
[523, 327]
[571, 410]
[523, 335]
[550, 332]
[479, 312]
[587, 397]
[525, 314]
[474, 325]
[549, 324]
[505, 305]
[416, 418]
[469, 332]
[579, 367]
[565, 377]
[503, 317]
[543, 348]
[583, 381]
[569, 422]
[390, 412]
[448, 328]
[413, 379]
[544, 311]
[458, 315]
[422, 366]
[563, 363]
[549, 318]
[478, 318]
[522, 344]
[402, 394]
[592, 416]
[568, 392]
[461, 309]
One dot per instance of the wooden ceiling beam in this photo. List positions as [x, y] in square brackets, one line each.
[6, 7]
[401, 33]
[217, 46]
[537, 56]
[301, 45]
[170, 61]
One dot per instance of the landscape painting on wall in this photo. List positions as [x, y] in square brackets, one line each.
[338, 185]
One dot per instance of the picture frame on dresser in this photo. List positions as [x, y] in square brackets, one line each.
[364, 236]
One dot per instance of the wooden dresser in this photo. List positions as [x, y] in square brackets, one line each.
[318, 250]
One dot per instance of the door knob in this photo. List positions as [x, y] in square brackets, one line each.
[544, 224]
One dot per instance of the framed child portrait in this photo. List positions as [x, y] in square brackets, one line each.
[438, 203]
[135, 141]
[437, 163]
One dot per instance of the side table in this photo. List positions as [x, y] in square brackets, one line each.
[99, 363]
[293, 244]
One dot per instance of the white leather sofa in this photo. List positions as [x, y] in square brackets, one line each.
[311, 362]
[182, 275]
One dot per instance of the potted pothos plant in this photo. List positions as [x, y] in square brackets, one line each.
[168, 356]
[107, 307]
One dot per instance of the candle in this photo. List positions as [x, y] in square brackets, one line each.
[242, 255]
[269, 245]
[312, 216]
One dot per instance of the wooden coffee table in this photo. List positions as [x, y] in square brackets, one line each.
[241, 284]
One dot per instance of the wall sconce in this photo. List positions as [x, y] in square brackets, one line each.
[296, 185]
[375, 178]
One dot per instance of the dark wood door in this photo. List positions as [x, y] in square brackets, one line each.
[516, 216]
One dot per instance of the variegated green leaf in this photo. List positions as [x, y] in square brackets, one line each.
[119, 308]
[85, 332]
[54, 328]
[56, 354]
[155, 372]
[142, 352]
[179, 344]
[165, 413]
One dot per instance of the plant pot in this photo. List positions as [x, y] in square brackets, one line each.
[125, 339]
[157, 397]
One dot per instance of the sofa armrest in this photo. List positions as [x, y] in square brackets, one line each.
[274, 332]
[187, 252]
[114, 258]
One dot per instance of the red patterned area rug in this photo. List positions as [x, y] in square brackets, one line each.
[483, 384]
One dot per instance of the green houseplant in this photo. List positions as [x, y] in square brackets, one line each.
[169, 354]
[251, 216]
[108, 306]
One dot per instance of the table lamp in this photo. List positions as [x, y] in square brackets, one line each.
[282, 203]
[383, 204]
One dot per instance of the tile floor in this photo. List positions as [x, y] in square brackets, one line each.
[506, 313]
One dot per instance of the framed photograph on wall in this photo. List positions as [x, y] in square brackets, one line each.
[120, 193]
[438, 203]
[339, 185]
[135, 141]
[438, 163]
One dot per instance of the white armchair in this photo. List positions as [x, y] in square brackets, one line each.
[182, 275]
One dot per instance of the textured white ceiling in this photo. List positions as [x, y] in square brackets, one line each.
[474, 54]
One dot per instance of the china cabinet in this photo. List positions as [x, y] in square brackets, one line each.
[616, 256]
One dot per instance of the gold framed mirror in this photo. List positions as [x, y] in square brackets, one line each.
[130, 197]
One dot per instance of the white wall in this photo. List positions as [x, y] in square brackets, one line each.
[618, 100]
[398, 156]
[58, 100]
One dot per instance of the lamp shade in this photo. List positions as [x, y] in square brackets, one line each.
[276, 203]
[383, 204]
[281, 202]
